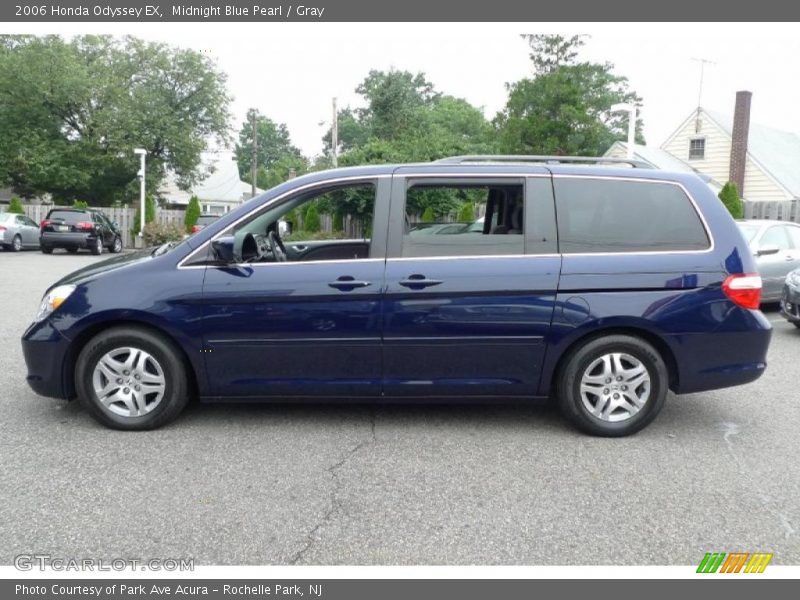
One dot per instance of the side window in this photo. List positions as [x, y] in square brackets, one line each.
[604, 215]
[794, 236]
[332, 223]
[30, 222]
[697, 149]
[470, 219]
[776, 236]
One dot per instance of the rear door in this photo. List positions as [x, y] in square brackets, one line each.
[774, 267]
[29, 231]
[467, 311]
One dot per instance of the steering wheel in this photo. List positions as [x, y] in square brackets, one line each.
[276, 246]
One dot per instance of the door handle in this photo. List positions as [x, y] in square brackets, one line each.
[789, 258]
[418, 282]
[347, 283]
[299, 248]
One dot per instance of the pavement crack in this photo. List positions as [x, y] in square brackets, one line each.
[334, 503]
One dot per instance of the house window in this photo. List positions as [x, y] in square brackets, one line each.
[697, 148]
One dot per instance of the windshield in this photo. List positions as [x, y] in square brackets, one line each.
[68, 216]
[749, 231]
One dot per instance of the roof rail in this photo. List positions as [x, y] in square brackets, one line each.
[551, 160]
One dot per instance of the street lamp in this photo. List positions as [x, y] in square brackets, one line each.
[631, 110]
[142, 154]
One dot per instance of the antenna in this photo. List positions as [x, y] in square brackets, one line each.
[703, 62]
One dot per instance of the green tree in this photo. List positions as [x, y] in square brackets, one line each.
[338, 220]
[565, 108]
[149, 214]
[192, 213]
[311, 222]
[72, 111]
[428, 215]
[279, 171]
[80, 204]
[273, 145]
[467, 213]
[729, 194]
[15, 206]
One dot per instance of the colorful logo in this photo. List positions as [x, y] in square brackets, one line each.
[734, 562]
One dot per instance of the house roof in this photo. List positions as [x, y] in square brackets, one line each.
[222, 183]
[776, 151]
[661, 159]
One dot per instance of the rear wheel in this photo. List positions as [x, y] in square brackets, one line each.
[97, 246]
[613, 386]
[133, 379]
[47, 249]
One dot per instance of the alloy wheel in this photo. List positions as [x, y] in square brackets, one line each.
[129, 382]
[615, 387]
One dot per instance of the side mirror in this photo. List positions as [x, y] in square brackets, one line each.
[767, 250]
[223, 249]
[284, 228]
[115, 224]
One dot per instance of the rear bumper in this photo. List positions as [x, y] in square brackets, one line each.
[45, 350]
[67, 240]
[724, 358]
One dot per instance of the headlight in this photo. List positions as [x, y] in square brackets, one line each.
[793, 278]
[52, 300]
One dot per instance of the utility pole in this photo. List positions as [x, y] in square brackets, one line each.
[335, 136]
[703, 62]
[255, 154]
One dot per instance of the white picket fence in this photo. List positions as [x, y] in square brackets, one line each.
[124, 217]
[782, 210]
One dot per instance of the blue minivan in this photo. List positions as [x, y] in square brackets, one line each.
[598, 283]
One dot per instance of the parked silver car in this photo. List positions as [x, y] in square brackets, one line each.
[18, 232]
[776, 246]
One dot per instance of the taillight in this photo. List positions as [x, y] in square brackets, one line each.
[44, 223]
[2, 227]
[84, 225]
[196, 228]
[743, 289]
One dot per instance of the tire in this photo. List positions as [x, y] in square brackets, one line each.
[589, 380]
[796, 324]
[47, 249]
[72, 250]
[116, 247]
[160, 369]
[16, 244]
[97, 247]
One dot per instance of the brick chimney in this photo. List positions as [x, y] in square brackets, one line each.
[741, 129]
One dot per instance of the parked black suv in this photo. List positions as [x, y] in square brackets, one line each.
[76, 228]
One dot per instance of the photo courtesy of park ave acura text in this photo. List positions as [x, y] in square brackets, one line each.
[408, 299]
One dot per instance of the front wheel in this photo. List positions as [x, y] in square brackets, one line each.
[613, 386]
[116, 247]
[130, 378]
[16, 244]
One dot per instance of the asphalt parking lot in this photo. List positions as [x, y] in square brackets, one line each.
[324, 484]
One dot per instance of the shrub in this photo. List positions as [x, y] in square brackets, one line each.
[15, 206]
[467, 213]
[80, 204]
[302, 235]
[160, 233]
[729, 194]
[428, 216]
[192, 213]
[149, 214]
[312, 221]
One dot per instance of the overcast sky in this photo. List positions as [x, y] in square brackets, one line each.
[291, 71]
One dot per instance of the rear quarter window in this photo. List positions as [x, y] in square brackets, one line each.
[605, 215]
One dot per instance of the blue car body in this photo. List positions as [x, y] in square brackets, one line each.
[491, 326]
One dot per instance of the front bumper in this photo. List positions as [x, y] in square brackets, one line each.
[45, 351]
[790, 303]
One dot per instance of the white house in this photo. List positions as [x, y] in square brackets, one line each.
[220, 191]
[762, 161]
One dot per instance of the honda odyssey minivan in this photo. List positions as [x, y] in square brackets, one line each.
[602, 285]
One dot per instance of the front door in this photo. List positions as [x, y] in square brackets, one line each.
[308, 325]
[469, 303]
